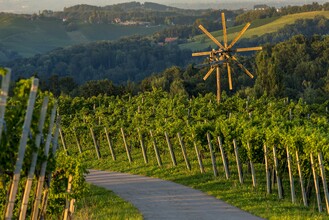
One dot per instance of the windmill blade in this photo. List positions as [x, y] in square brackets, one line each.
[224, 30]
[209, 72]
[241, 66]
[239, 35]
[211, 37]
[229, 76]
[197, 54]
[247, 49]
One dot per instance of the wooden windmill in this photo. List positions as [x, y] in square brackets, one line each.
[224, 55]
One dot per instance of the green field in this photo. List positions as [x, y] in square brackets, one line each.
[27, 37]
[257, 28]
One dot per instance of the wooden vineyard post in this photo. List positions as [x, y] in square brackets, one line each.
[41, 179]
[222, 152]
[316, 184]
[141, 141]
[301, 180]
[268, 174]
[67, 203]
[22, 147]
[172, 154]
[54, 149]
[95, 143]
[198, 156]
[236, 151]
[77, 140]
[156, 150]
[188, 165]
[291, 178]
[324, 181]
[63, 140]
[278, 179]
[3, 98]
[253, 173]
[109, 143]
[126, 146]
[213, 159]
[30, 176]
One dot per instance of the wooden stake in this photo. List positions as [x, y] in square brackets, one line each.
[253, 173]
[22, 147]
[126, 146]
[324, 181]
[41, 179]
[222, 152]
[109, 143]
[63, 140]
[291, 178]
[156, 150]
[188, 165]
[236, 151]
[198, 156]
[213, 159]
[172, 154]
[141, 141]
[268, 174]
[67, 204]
[77, 140]
[3, 98]
[316, 184]
[301, 180]
[30, 176]
[54, 149]
[95, 143]
[278, 179]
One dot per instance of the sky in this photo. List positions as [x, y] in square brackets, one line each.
[31, 6]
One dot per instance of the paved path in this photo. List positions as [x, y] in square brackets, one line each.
[160, 199]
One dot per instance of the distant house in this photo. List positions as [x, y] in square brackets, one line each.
[117, 20]
[261, 7]
[170, 39]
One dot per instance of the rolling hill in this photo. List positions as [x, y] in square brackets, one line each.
[257, 29]
[28, 35]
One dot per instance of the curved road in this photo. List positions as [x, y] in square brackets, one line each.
[160, 199]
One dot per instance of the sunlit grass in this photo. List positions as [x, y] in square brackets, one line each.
[104, 204]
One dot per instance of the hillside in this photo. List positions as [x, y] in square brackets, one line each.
[258, 28]
[29, 35]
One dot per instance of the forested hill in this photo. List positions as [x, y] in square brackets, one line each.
[129, 59]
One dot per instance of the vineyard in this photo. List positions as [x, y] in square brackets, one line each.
[281, 145]
[35, 180]
[277, 146]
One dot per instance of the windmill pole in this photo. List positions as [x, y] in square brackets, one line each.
[218, 83]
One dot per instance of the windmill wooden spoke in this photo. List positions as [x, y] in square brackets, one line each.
[242, 67]
[247, 49]
[211, 37]
[239, 35]
[209, 73]
[197, 54]
[224, 30]
[229, 76]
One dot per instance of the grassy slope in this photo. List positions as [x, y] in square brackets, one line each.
[104, 204]
[31, 37]
[257, 28]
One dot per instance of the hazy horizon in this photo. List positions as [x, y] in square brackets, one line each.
[33, 6]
